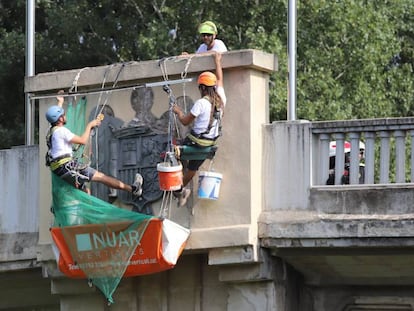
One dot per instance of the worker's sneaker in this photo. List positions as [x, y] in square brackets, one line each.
[182, 196]
[137, 185]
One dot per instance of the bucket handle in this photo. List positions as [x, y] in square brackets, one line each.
[210, 167]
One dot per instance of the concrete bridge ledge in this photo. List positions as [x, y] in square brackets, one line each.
[311, 225]
[391, 199]
[228, 236]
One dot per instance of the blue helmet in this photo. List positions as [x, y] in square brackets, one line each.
[54, 113]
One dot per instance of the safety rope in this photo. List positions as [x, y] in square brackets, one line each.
[108, 93]
[165, 210]
[80, 159]
[187, 65]
[163, 67]
[99, 114]
[74, 87]
[164, 70]
[185, 110]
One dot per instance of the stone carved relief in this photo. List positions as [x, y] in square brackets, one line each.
[100, 155]
[142, 100]
[138, 150]
[124, 151]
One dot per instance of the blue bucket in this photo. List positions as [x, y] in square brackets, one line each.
[209, 185]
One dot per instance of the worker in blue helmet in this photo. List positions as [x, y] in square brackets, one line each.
[60, 155]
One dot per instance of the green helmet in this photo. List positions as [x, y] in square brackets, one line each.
[207, 27]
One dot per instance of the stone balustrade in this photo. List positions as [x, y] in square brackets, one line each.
[388, 156]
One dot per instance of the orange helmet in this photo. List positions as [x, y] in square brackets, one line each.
[207, 78]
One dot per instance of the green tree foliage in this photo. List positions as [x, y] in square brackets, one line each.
[346, 53]
[12, 69]
[355, 58]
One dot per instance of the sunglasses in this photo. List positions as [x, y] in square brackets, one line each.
[206, 35]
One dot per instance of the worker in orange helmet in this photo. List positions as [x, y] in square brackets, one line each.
[205, 116]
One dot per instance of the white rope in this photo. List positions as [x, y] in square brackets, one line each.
[177, 128]
[74, 87]
[167, 198]
[163, 66]
[184, 73]
[183, 76]
[101, 109]
[164, 71]
[113, 85]
[95, 132]
[165, 210]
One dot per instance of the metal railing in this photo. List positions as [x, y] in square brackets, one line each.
[388, 155]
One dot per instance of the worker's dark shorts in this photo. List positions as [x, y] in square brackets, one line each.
[193, 165]
[74, 173]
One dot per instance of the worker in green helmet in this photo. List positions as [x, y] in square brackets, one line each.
[208, 33]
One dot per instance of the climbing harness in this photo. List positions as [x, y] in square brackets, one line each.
[48, 156]
[215, 115]
[58, 162]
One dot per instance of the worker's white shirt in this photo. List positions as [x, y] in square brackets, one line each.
[201, 111]
[218, 46]
[61, 144]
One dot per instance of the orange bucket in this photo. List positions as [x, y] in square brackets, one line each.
[170, 177]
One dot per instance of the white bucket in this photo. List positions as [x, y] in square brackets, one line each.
[209, 185]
